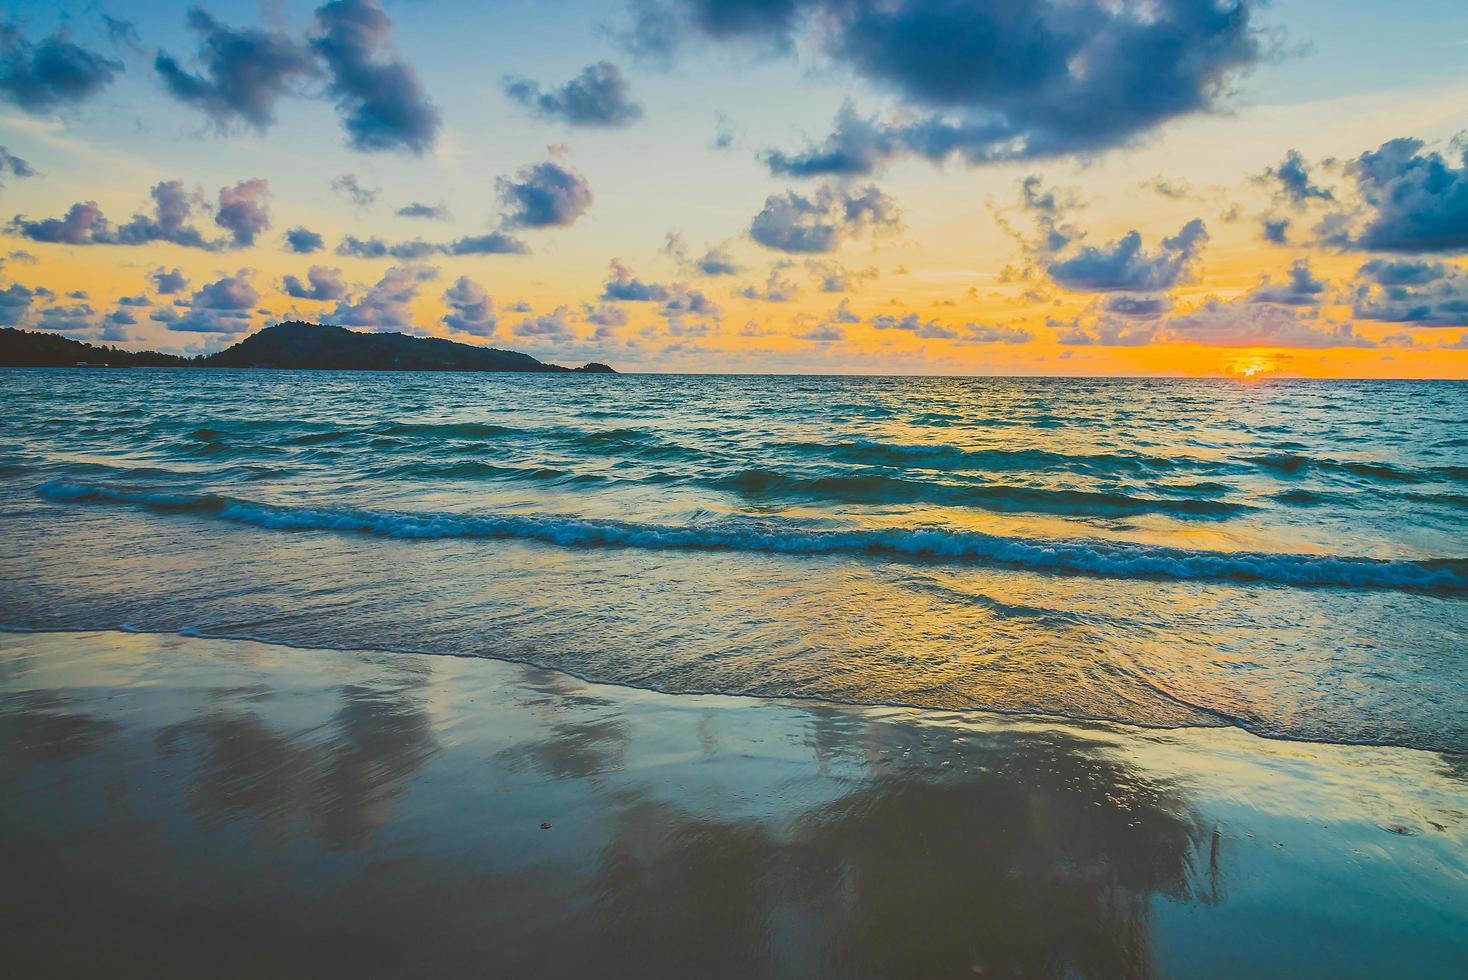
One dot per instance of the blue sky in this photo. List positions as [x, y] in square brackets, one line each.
[954, 241]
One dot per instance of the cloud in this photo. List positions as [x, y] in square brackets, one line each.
[168, 282]
[378, 95]
[1124, 265]
[778, 287]
[915, 325]
[51, 75]
[606, 317]
[855, 147]
[242, 210]
[65, 318]
[470, 308]
[1275, 230]
[1140, 307]
[715, 261]
[1427, 294]
[833, 277]
[543, 195]
[820, 222]
[1300, 288]
[122, 33]
[224, 306]
[1016, 79]
[350, 186]
[417, 209]
[243, 73]
[822, 333]
[323, 284]
[303, 241]
[13, 166]
[234, 292]
[843, 314]
[493, 243]
[994, 333]
[623, 286]
[388, 305]
[1416, 202]
[1245, 323]
[15, 304]
[598, 96]
[1291, 182]
[554, 326]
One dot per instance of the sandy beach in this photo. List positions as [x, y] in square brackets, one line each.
[178, 806]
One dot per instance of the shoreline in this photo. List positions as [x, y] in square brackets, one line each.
[185, 805]
[977, 715]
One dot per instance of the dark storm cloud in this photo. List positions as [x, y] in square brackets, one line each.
[1417, 202]
[1426, 294]
[1008, 79]
[379, 96]
[304, 241]
[322, 284]
[543, 195]
[1124, 265]
[242, 210]
[52, 74]
[1300, 288]
[470, 308]
[599, 96]
[820, 222]
[242, 73]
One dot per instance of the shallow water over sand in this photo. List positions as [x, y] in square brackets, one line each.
[1288, 557]
[186, 807]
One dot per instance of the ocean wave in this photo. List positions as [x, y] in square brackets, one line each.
[1090, 556]
[940, 456]
[1293, 464]
[879, 488]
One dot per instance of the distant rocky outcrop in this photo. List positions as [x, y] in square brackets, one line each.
[290, 345]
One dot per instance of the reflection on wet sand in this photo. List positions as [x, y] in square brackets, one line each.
[181, 807]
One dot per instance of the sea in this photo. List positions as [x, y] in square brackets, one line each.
[1285, 556]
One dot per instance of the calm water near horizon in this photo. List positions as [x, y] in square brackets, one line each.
[1287, 556]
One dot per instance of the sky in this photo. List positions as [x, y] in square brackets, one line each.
[1071, 187]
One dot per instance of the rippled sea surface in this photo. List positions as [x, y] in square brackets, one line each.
[1291, 557]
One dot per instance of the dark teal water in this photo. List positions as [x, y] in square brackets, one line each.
[1287, 556]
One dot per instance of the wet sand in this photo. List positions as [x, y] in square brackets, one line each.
[183, 807]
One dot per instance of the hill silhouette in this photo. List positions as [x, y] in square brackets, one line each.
[290, 345]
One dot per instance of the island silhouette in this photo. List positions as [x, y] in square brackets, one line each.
[293, 344]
